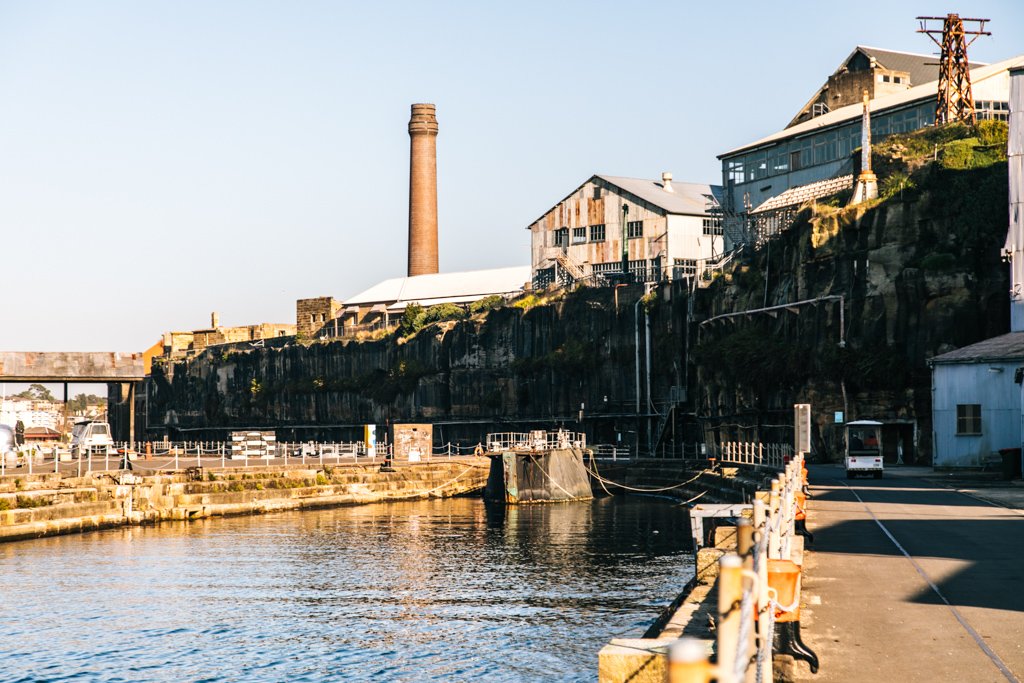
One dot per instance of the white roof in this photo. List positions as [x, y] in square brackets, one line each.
[444, 287]
[685, 198]
[922, 92]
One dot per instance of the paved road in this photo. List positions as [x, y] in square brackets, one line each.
[916, 582]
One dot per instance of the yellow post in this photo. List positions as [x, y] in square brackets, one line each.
[760, 528]
[773, 514]
[687, 662]
[730, 592]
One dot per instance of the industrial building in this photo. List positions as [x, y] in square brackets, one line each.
[655, 230]
[819, 142]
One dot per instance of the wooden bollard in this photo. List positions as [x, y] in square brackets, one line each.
[730, 593]
[688, 662]
[774, 535]
[760, 527]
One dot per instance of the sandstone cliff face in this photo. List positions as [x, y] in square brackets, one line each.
[510, 371]
[918, 275]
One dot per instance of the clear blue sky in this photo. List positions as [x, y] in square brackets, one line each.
[161, 160]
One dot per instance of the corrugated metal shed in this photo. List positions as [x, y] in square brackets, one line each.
[1007, 347]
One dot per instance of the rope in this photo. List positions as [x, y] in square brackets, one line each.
[601, 479]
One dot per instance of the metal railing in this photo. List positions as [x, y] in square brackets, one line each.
[750, 453]
[535, 441]
[180, 455]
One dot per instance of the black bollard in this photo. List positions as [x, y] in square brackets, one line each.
[787, 641]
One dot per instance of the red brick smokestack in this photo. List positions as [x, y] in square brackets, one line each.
[423, 190]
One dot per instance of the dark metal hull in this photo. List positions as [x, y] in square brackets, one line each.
[546, 477]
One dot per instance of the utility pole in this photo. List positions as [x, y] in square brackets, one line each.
[955, 101]
[625, 242]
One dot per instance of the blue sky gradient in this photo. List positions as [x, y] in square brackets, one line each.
[159, 161]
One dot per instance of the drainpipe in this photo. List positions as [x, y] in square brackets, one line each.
[647, 354]
[636, 345]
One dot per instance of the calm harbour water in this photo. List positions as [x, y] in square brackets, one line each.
[426, 590]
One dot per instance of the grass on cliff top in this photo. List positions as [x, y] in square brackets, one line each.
[955, 146]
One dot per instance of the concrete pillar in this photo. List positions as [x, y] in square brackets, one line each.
[422, 190]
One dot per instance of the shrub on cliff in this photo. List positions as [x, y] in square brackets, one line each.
[488, 303]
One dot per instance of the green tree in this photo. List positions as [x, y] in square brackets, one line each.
[36, 392]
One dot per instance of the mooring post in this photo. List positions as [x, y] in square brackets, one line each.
[687, 662]
[774, 538]
[175, 460]
[761, 565]
[730, 594]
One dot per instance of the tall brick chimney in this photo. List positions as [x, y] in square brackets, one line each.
[423, 190]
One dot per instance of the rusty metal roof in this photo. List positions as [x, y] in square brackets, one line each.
[1006, 347]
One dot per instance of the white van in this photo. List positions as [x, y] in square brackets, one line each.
[864, 448]
[91, 437]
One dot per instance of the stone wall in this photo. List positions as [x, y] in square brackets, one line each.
[312, 314]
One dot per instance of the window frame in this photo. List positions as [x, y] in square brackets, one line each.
[966, 419]
[634, 230]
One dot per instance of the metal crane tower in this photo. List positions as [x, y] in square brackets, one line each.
[955, 102]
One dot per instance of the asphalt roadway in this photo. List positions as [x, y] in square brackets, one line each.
[909, 579]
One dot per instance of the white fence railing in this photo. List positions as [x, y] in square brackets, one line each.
[750, 453]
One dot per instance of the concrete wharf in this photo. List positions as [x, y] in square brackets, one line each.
[911, 579]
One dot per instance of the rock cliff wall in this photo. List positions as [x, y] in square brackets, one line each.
[911, 277]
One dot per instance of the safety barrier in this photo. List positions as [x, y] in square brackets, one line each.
[758, 611]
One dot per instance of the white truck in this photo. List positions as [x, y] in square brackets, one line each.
[864, 448]
[91, 437]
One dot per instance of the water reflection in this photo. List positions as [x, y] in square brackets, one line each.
[447, 590]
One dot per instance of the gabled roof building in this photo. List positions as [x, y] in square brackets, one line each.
[819, 147]
[660, 230]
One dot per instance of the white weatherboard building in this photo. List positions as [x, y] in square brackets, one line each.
[977, 391]
[976, 401]
[670, 230]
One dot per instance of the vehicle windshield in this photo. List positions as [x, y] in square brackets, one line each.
[863, 440]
